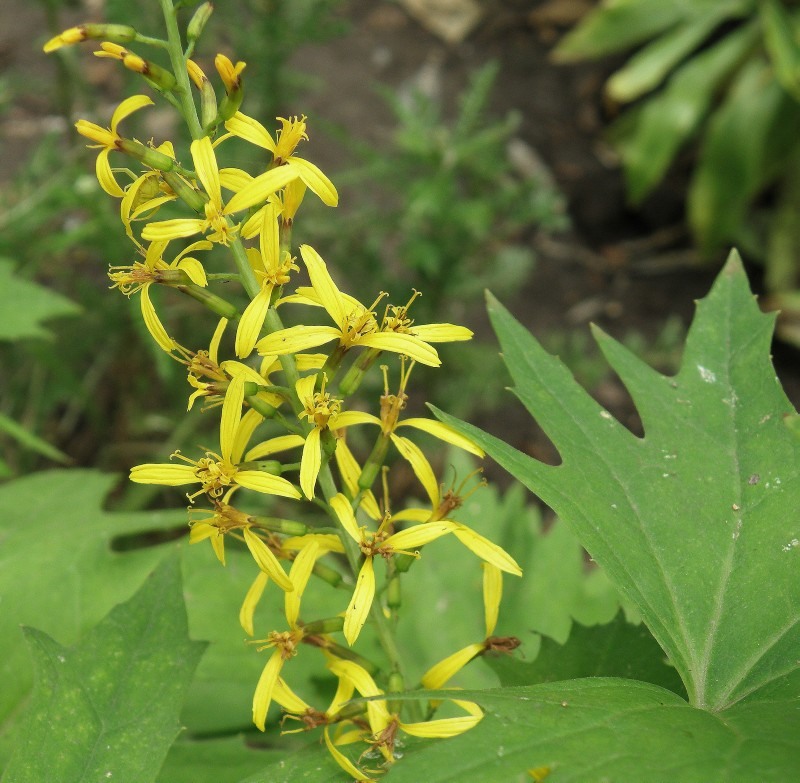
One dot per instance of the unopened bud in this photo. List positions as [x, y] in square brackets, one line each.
[198, 21]
[158, 76]
[119, 33]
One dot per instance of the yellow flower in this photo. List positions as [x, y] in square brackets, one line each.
[146, 194]
[372, 544]
[216, 473]
[355, 324]
[321, 410]
[385, 725]
[229, 73]
[396, 320]
[292, 132]
[284, 643]
[389, 422]
[272, 267]
[138, 278]
[215, 220]
[109, 140]
[440, 673]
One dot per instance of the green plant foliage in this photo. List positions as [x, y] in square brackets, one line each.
[725, 73]
[616, 649]
[691, 522]
[25, 305]
[223, 760]
[601, 729]
[108, 707]
[557, 586]
[442, 198]
[57, 569]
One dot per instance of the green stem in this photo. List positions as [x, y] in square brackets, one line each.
[183, 89]
[246, 273]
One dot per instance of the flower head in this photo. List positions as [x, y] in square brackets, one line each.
[139, 276]
[293, 130]
[110, 140]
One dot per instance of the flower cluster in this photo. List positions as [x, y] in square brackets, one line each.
[283, 481]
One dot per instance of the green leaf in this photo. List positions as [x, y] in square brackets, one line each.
[599, 730]
[57, 569]
[108, 708]
[222, 760]
[24, 305]
[649, 137]
[30, 441]
[620, 24]
[556, 585]
[747, 144]
[692, 521]
[617, 649]
[646, 69]
[780, 39]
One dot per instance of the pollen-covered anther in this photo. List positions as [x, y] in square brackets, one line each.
[215, 474]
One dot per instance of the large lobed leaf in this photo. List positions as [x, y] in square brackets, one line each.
[58, 571]
[108, 707]
[697, 519]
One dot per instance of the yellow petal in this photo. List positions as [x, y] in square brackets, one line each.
[342, 760]
[441, 333]
[165, 474]
[296, 338]
[349, 418]
[268, 484]
[267, 561]
[216, 339]
[260, 189]
[487, 550]
[274, 445]
[288, 699]
[344, 511]
[420, 465]
[329, 295]
[231, 415]
[326, 542]
[360, 603]
[443, 432]
[251, 600]
[236, 369]
[304, 387]
[419, 535]
[404, 344]
[492, 595]
[310, 463]
[128, 107]
[234, 179]
[269, 242]
[252, 321]
[250, 130]
[105, 176]
[152, 322]
[244, 432]
[379, 717]
[194, 269]
[317, 182]
[172, 229]
[205, 164]
[299, 575]
[350, 472]
[442, 672]
[444, 727]
[266, 684]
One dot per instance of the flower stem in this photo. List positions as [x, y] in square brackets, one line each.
[182, 89]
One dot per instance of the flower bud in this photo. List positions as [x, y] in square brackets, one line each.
[198, 21]
[119, 33]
